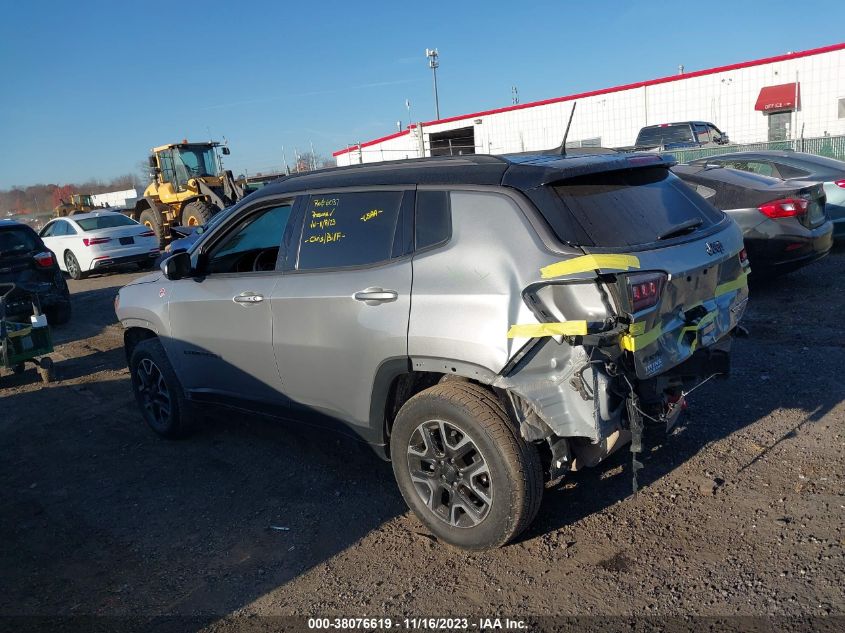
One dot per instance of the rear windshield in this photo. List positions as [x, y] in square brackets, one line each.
[17, 241]
[664, 135]
[104, 222]
[633, 206]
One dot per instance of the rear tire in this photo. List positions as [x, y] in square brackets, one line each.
[197, 213]
[158, 391]
[463, 468]
[151, 218]
[73, 268]
[46, 369]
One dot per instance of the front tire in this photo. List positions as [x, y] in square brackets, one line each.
[73, 268]
[197, 213]
[151, 218]
[158, 391]
[462, 467]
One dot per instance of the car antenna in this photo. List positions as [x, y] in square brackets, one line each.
[566, 133]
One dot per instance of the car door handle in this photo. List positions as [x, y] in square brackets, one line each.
[374, 296]
[248, 298]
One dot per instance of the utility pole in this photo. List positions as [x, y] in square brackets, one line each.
[434, 64]
[408, 106]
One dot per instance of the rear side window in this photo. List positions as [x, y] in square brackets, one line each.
[433, 218]
[634, 206]
[104, 222]
[348, 229]
[17, 241]
[787, 171]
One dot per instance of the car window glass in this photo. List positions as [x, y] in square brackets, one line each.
[48, 230]
[715, 135]
[348, 229]
[253, 246]
[70, 229]
[433, 222]
[787, 171]
[17, 241]
[60, 229]
[757, 167]
[703, 133]
[633, 207]
[109, 221]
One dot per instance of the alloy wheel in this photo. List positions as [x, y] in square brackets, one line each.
[71, 264]
[153, 391]
[449, 473]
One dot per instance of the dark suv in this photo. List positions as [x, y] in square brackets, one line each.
[484, 322]
[32, 267]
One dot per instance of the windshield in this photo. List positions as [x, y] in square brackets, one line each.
[664, 135]
[104, 222]
[198, 161]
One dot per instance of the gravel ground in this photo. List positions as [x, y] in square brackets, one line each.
[740, 514]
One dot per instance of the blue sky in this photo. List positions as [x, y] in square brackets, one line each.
[89, 87]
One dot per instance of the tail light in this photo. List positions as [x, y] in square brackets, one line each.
[45, 259]
[644, 290]
[840, 183]
[785, 208]
[147, 234]
[91, 241]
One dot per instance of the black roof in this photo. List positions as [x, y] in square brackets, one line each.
[520, 171]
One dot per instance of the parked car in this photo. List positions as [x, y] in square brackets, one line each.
[789, 165]
[678, 135]
[94, 242]
[783, 223]
[27, 262]
[554, 300]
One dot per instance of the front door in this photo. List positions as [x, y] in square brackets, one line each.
[344, 310]
[221, 321]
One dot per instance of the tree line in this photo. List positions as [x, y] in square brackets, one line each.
[42, 198]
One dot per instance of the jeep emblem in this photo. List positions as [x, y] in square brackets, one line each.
[714, 247]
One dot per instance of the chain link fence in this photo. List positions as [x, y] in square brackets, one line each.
[830, 146]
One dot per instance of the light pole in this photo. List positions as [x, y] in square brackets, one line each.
[432, 55]
[408, 106]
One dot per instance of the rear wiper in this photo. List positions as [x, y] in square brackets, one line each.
[680, 229]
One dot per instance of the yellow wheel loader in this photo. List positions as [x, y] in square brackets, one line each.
[188, 187]
[79, 203]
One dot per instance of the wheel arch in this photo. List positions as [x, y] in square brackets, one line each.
[134, 335]
[398, 380]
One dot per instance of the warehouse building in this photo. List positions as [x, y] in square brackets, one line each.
[790, 96]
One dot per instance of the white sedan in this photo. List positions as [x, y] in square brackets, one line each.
[92, 242]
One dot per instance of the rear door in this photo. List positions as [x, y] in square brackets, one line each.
[343, 308]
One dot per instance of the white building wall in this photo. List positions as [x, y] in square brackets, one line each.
[725, 98]
[124, 198]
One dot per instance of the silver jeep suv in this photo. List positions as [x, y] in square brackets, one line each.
[486, 323]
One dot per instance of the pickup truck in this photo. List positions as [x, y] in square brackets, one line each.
[667, 136]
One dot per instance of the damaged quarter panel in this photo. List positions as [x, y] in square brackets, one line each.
[468, 292]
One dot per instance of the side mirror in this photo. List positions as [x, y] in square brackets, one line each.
[177, 266]
[225, 150]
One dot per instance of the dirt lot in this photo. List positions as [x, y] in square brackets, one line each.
[741, 513]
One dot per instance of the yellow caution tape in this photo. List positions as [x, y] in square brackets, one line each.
[632, 342]
[589, 262]
[534, 330]
[736, 284]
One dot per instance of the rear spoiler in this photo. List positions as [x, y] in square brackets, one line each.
[564, 168]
